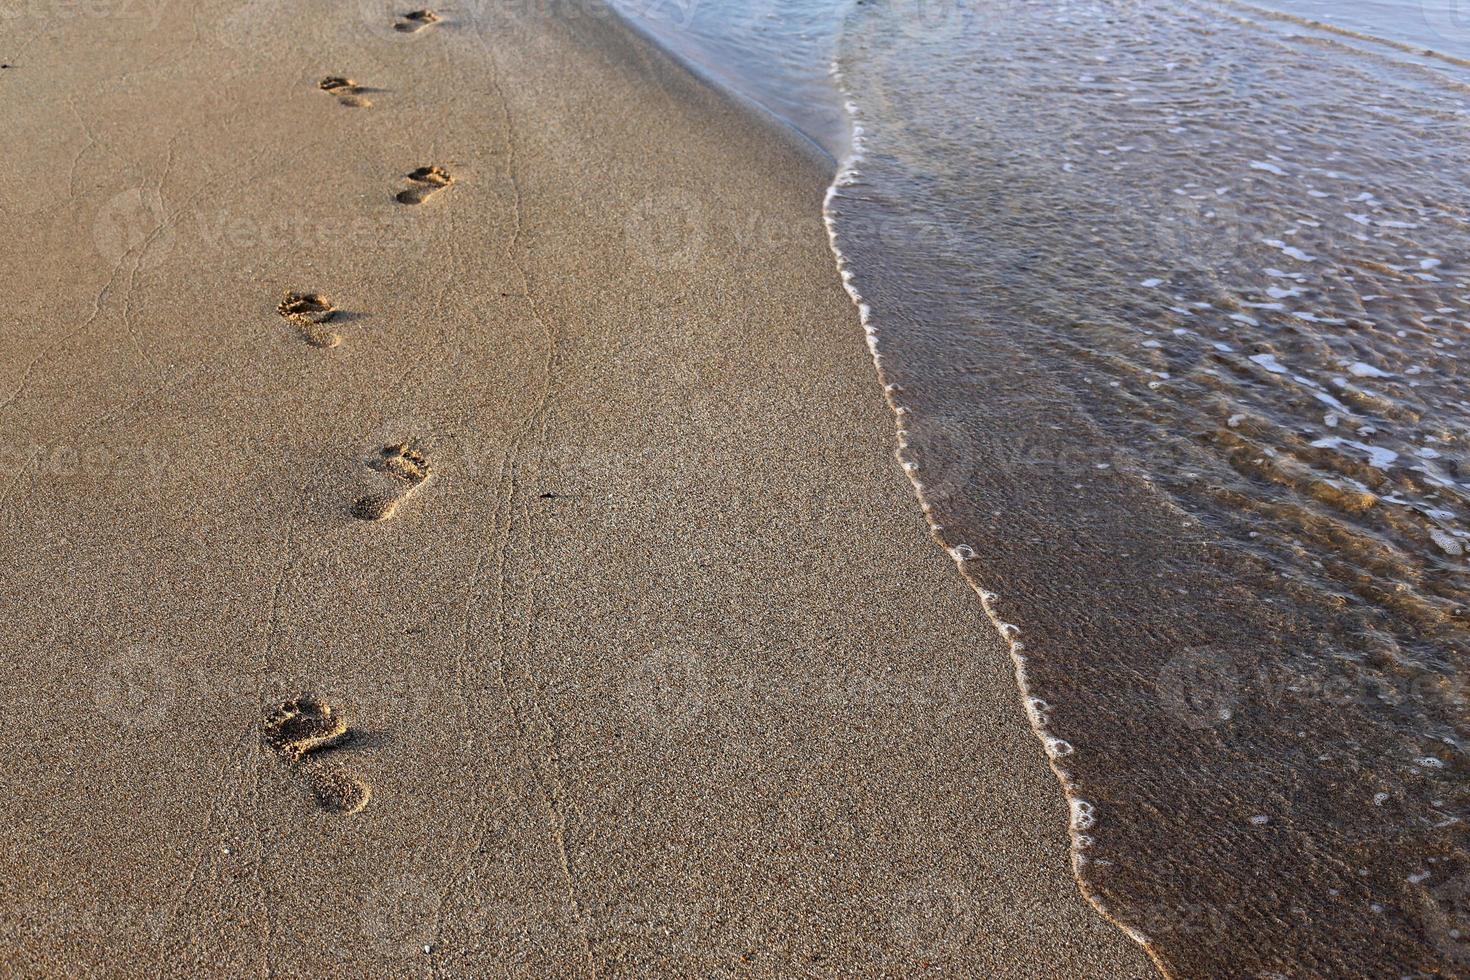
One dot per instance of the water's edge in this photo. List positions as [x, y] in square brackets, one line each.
[845, 159]
[978, 378]
[1079, 809]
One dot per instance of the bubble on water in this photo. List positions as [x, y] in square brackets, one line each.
[1038, 711]
[1446, 542]
[1084, 816]
[1056, 748]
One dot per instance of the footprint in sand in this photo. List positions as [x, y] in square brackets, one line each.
[338, 791]
[300, 726]
[415, 21]
[427, 181]
[348, 92]
[407, 467]
[311, 312]
[297, 728]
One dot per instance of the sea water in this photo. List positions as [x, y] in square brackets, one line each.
[1171, 301]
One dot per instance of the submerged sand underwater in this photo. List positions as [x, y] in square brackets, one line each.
[1170, 299]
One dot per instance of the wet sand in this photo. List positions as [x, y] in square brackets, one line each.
[647, 664]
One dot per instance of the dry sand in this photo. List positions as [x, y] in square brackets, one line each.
[651, 669]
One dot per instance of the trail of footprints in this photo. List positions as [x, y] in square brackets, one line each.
[301, 730]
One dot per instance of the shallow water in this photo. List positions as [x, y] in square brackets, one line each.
[775, 53]
[1442, 26]
[1171, 301]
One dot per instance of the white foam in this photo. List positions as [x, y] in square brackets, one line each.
[1057, 748]
[1084, 816]
[1446, 542]
[1038, 711]
[1377, 455]
[1289, 250]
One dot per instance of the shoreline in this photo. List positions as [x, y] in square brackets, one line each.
[653, 667]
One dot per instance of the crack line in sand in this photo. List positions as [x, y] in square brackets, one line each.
[98, 301]
[551, 786]
[557, 790]
[262, 665]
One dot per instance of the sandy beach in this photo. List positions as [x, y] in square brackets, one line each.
[649, 666]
